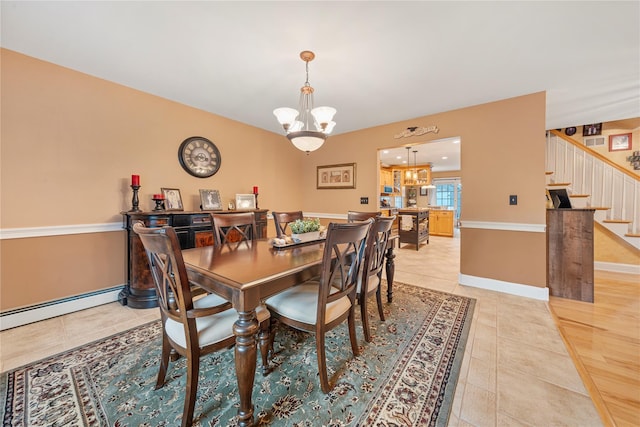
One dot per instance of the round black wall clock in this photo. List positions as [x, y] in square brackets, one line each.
[199, 157]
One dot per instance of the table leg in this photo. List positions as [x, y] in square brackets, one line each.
[390, 268]
[245, 329]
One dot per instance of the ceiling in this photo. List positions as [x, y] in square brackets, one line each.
[377, 62]
[442, 154]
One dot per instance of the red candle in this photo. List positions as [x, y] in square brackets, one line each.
[158, 197]
[135, 179]
[255, 190]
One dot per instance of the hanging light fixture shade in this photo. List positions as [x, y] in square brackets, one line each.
[407, 173]
[299, 131]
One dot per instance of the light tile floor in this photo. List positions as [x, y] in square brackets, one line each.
[516, 370]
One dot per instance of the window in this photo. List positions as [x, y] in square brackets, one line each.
[445, 194]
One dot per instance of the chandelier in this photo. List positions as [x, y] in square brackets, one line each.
[299, 131]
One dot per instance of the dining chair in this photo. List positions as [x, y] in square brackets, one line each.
[191, 327]
[374, 263]
[283, 219]
[235, 227]
[320, 305]
[353, 216]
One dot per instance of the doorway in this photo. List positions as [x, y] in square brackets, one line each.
[448, 194]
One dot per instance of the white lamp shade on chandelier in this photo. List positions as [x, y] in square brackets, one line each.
[299, 130]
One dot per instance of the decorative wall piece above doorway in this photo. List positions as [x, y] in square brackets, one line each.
[416, 131]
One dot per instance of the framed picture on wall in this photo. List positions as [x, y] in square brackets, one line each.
[172, 199]
[620, 142]
[336, 176]
[423, 191]
[592, 129]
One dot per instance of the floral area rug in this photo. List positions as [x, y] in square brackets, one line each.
[405, 377]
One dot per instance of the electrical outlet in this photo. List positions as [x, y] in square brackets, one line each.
[364, 200]
[513, 199]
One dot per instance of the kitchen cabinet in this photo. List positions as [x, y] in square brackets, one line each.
[424, 176]
[441, 223]
[386, 178]
[398, 181]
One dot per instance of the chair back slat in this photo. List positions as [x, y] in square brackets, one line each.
[353, 216]
[377, 242]
[167, 269]
[342, 263]
[283, 219]
[229, 228]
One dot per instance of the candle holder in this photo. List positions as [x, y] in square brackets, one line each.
[256, 194]
[134, 199]
[159, 203]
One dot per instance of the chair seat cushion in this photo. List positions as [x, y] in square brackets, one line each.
[300, 303]
[374, 282]
[210, 300]
[211, 329]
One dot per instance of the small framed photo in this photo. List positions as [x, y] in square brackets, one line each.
[592, 129]
[620, 142]
[336, 176]
[210, 200]
[245, 201]
[423, 191]
[172, 199]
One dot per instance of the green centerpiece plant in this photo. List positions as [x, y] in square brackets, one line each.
[303, 230]
[307, 225]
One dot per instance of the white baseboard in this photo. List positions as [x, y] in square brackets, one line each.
[24, 316]
[504, 287]
[618, 268]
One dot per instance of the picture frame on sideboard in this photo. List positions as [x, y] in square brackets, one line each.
[245, 201]
[210, 200]
[172, 199]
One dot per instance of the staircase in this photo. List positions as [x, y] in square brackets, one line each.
[593, 181]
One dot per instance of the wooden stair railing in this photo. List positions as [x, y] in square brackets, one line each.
[603, 184]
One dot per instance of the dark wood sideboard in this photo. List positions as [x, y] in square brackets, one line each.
[419, 231]
[194, 229]
[570, 253]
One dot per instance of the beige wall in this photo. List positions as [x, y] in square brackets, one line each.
[502, 153]
[70, 143]
[49, 268]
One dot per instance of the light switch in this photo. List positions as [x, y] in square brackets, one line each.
[513, 199]
[364, 200]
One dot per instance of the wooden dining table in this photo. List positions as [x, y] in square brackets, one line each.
[246, 273]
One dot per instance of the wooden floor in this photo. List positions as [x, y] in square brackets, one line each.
[604, 339]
